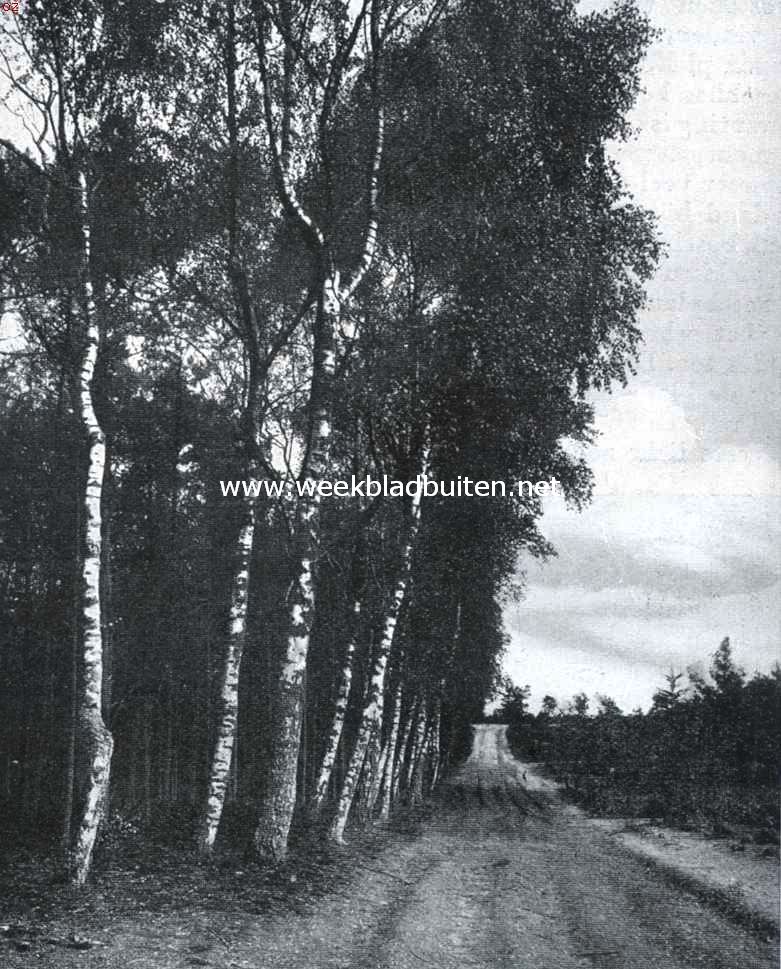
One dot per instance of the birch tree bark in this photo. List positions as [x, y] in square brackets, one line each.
[435, 745]
[387, 774]
[418, 760]
[294, 127]
[401, 750]
[378, 774]
[340, 709]
[372, 711]
[415, 744]
[229, 691]
[93, 735]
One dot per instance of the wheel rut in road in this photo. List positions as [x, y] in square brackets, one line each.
[501, 875]
[506, 875]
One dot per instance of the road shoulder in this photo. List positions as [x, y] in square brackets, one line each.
[741, 879]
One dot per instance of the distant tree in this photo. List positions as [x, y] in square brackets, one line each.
[549, 705]
[670, 695]
[726, 677]
[580, 704]
[725, 674]
[515, 702]
[608, 706]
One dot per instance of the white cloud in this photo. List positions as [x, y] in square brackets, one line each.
[684, 551]
[642, 425]
[579, 600]
[647, 447]
[626, 654]
[681, 545]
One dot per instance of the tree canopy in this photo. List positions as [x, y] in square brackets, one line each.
[291, 241]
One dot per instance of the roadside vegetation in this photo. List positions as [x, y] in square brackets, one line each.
[704, 756]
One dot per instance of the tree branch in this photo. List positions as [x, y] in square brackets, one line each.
[287, 195]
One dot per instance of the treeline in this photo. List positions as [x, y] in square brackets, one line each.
[288, 241]
[706, 754]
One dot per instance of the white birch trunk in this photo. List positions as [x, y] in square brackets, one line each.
[340, 710]
[372, 711]
[94, 736]
[368, 775]
[278, 806]
[435, 745]
[387, 774]
[222, 757]
[409, 749]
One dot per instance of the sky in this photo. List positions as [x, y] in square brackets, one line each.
[680, 546]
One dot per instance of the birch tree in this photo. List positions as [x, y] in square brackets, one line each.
[65, 91]
[372, 711]
[391, 755]
[334, 735]
[364, 220]
[311, 60]
[48, 83]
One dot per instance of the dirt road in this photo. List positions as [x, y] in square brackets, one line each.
[503, 874]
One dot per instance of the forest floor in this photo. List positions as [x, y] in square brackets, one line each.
[498, 872]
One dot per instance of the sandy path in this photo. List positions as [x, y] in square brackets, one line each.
[502, 876]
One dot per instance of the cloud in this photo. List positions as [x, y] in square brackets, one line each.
[626, 654]
[666, 512]
[701, 546]
[683, 550]
[647, 446]
[578, 600]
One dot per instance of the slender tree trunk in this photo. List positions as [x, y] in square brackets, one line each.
[278, 806]
[418, 760]
[372, 711]
[106, 593]
[106, 611]
[362, 802]
[409, 759]
[70, 752]
[435, 745]
[401, 752]
[219, 773]
[416, 739]
[340, 710]
[387, 774]
[96, 739]
[386, 753]
[375, 787]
